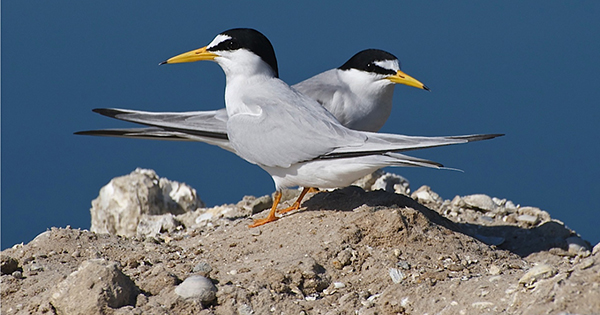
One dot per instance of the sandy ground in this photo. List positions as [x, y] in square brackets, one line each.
[346, 252]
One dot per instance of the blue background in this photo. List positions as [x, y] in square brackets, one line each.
[528, 69]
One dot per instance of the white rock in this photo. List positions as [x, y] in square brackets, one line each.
[389, 182]
[528, 219]
[396, 275]
[392, 183]
[578, 246]
[197, 287]
[479, 201]
[536, 273]
[124, 200]
[425, 195]
[151, 225]
[339, 285]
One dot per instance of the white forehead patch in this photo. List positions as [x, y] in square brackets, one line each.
[388, 64]
[219, 39]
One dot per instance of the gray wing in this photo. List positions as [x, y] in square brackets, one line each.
[379, 143]
[197, 122]
[321, 87]
[286, 130]
[155, 133]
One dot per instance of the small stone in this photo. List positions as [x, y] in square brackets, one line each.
[97, 286]
[536, 273]
[425, 195]
[396, 275]
[339, 285]
[17, 274]
[578, 246]
[494, 270]
[203, 268]
[245, 309]
[198, 288]
[527, 219]
[403, 265]
[480, 201]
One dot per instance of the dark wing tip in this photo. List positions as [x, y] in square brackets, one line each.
[107, 112]
[426, 88]
[163, 63]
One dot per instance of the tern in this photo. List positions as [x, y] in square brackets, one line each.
[290, 135]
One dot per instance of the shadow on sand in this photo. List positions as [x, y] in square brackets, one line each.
[520, 241]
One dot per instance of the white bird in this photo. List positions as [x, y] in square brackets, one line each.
[291, 136]
[359, 94]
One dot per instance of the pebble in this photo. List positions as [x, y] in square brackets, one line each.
[339, 285]
[577, 246]
[202, 267]
[403, 265]
[536, 273]
[481, 202]
[197, 287]
[396, 275]
[17, 274]
[494, 270]
[426, 195]
[528, 219]
[245, 309]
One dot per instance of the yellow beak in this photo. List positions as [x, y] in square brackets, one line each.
[403, 78]
[191, 56]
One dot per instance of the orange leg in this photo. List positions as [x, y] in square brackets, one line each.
[271, 217]
[296, 204]
[313, 190]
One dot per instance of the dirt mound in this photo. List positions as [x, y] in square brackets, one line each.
[347, 252]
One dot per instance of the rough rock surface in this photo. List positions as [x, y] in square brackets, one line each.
[345, 252]
[96, 286]
[128, 204]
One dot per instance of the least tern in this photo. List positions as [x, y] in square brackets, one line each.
[358, 93]
[291, 136]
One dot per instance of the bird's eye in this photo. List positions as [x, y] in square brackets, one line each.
[232, 45]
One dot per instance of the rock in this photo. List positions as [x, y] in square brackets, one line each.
[97, 286]
[425, 195]
[253, 205]
[203, 268]
[8, 265]
[124, 200]
[481, 202]
[596, 249]
[197, 288]
[577, 246]
[536, 273]
[380, 180]
[392, 183]
[528, 219]
[396, 275]
[157, 279]
[152, 225]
